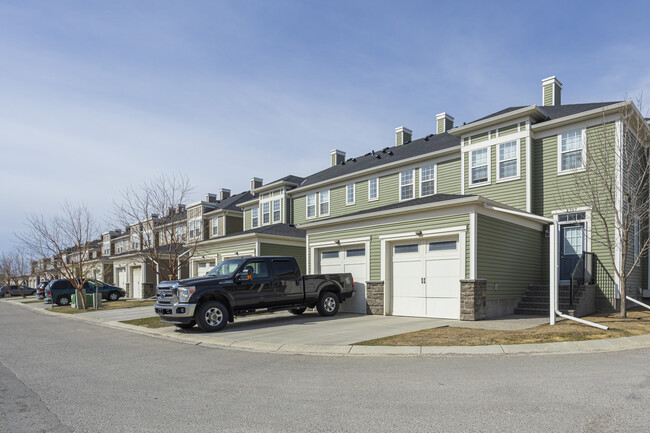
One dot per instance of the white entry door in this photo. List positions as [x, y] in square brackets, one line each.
[136, 282]
[353, 260]
[121, 278]
[426, 278]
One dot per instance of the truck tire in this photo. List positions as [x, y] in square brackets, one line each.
[328, 304]
[113, 296]
[298, 311]
[186, 325]
[63, 300]
[212, 316]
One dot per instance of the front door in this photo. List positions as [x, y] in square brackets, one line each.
[572, 244]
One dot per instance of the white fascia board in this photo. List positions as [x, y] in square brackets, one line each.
[342, 241]
[531, 110]
[249, 203]
[274, 185]
[596, 112]
[369, 171]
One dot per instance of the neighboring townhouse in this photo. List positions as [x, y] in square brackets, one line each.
[254, 223]
[460, 223]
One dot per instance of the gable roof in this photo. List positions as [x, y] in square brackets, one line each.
[428, 144]
[231, 202]
[274, 229]
[552, 111]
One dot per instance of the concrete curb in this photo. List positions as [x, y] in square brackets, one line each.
[208, 340]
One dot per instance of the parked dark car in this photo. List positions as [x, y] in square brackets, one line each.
[7, 291]
[61, 291]
[40, 289]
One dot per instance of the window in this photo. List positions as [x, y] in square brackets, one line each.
[373, 189]
[257, 270]
[276, 211]
[508, 160]
[311, 205]
[324, 202]
[355, 252]
[427, 180]
[479, 166]
[349, 194]
[442, 246]
[195, 228]
[215, 226]
[402, 249]
[181, 232]
[573, 240]
[329, 255]
[107, 249]
[147, 239]
[284, 269]
[571, 151]
[135, 242]
[255, 216]
[406, 179]
[119, 247]
[266, 212]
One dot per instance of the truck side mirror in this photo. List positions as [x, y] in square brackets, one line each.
[244, 275]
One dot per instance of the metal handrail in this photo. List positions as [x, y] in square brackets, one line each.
[583, 272]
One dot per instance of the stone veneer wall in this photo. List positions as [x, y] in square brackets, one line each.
[375, 297]
[473, 299]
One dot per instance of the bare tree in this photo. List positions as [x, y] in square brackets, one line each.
[14, 268]
[156, 215]
[67, 238]
[614, 186]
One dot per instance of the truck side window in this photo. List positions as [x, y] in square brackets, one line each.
[259, 269]
[284, 270]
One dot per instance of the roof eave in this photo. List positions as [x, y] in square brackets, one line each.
[607, 109]
[532, 110]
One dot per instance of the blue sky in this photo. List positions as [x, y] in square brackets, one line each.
[99, 95]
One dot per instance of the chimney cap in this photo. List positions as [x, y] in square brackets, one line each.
[444, 115]
[403, 129]
[551, 80]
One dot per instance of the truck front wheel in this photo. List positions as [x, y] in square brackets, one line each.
[212, 316]
[328, 304]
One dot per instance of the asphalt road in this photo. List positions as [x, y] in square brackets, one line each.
[59, 375]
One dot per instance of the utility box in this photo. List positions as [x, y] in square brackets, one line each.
[90, 301]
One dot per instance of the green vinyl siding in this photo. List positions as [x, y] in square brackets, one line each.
[403, 227]
[480, 137]
[388, 194]
[268, 249]
[507, 130]
[548, 94]
[509, 192]
[441, 126]
[509, 257]
[247, 219]
[448, 177]
[219, 250]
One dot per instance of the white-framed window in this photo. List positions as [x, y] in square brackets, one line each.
[266, 212]
[276, 211]
[255, 217]
[311, 205]
[147, 239]
[135, 242]
[181, 233]
[406, 184]
[195, 228]
[107, 249]
[508, 160]
[373, 189]
[214, 223]
[119, 247]
[479, 166]
[349, 194]
[571, 151]
[428, 180]
[324, 203]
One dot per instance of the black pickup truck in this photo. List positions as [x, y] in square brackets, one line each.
[242, 286]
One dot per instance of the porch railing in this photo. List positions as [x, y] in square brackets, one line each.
[583, 273]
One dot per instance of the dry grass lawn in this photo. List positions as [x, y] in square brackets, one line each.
[637, 323]
[148, 322]
[115, 305]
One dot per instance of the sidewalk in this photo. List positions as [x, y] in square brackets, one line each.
[312, 334]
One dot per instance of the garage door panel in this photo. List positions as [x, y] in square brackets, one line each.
[409, 306]
[443, 308]
[409, 276]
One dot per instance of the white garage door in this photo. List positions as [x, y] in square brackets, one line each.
[136, 282]
[121, 278]
[353, 260]
[203, 268]
[426, 279]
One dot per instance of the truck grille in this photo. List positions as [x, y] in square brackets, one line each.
[166, 295]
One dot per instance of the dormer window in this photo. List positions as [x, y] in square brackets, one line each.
[479, 161]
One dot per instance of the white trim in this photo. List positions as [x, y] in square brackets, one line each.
[354, 193]
[596, 112]
[307, 217]
[489, 168]
[341, 242]
[497, 139]
[375, 198]
[235, 254]
[529, 190]
[412, 184]
[618, 257]
[424, 233]
[279, 220]
[553, 271]
[321, 202]
[472, 246]
[462, 173]
[517, 158]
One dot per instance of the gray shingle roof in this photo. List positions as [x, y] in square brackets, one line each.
[553, 111]
[231, 202]
[430, 143]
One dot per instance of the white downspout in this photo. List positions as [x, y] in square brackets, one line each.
[629, 298]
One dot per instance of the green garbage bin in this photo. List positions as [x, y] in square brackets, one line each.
[90, 301]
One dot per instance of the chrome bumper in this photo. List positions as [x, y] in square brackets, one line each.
[175, 313]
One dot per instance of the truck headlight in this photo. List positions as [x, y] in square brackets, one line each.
[184, 293]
